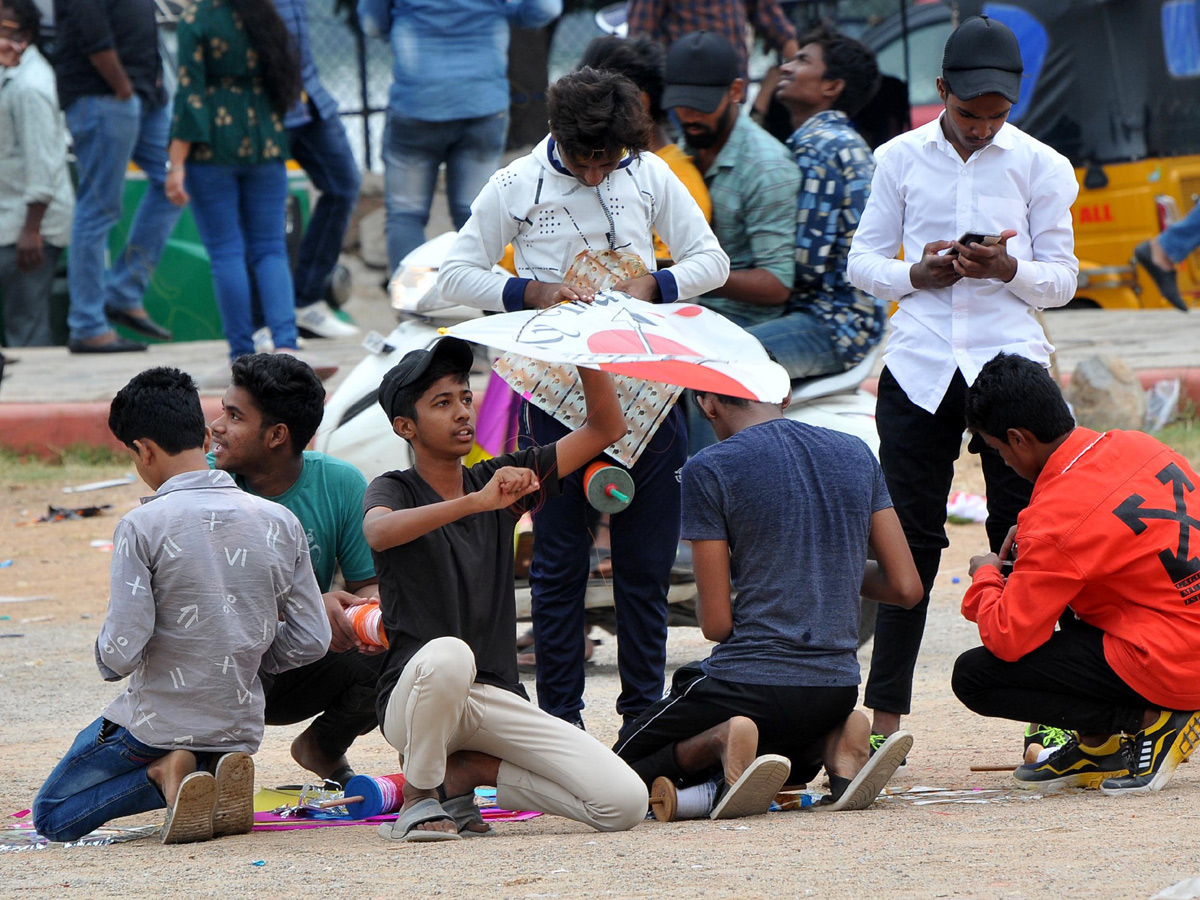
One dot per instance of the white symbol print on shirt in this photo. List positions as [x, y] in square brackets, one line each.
[273, 531]
[213, 522]
[232, 558]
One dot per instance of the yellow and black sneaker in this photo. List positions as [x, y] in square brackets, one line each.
[1075, 765]
[1155, 751]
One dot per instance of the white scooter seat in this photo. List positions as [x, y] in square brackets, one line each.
[824, 385]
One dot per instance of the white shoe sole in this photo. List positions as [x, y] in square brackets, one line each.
[751, 795]
[874, 776]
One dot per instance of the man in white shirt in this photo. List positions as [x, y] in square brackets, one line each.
[959, 304]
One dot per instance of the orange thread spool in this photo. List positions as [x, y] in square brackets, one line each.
[367, 621]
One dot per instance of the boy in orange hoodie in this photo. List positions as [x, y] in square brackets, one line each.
[1104, 553]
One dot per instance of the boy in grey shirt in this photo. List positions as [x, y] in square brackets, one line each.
[208, 584]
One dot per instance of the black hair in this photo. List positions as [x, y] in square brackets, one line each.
[1014, 392]
[161, 405]
[640, 59]
[741, 402]
[849, 60]
[285, 390]
[28, 17]
[277, 52]
[405, 402]
[595, 113]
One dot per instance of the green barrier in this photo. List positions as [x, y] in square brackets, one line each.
[180, 293]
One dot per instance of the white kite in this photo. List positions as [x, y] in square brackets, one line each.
[676, 343]
[659, 349]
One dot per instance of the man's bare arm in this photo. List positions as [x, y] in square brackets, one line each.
[892, 576]
[108, 64]
[714, 607]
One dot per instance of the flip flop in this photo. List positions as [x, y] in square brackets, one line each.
[751, 795]
[234, 812]
[464, 812]
[191, 818]
[871, 778]
[405, 827]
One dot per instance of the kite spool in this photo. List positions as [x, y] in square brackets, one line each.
[367, 622]
[608, 488]
[380, 796]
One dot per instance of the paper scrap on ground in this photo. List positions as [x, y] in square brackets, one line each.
[921, 795]
[25, 837]
[964, 508]
[100, 485]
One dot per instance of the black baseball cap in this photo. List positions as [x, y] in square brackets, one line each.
[416, 363]
[700, 68]
[983, 57]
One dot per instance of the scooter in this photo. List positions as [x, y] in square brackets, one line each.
[356, 429]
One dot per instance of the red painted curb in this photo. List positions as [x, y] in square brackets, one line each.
[46, 429]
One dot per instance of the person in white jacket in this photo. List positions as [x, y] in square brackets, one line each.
[590, 186]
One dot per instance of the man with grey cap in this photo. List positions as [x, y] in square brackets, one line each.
[1007, 198]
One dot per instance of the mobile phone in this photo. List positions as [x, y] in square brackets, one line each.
[975, 237]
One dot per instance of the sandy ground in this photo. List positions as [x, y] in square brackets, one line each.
[1014, 846]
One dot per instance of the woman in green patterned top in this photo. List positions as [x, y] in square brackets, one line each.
[238, 74]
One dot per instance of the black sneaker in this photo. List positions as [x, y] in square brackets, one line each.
[1154, 753]
[1074, 765]
[1039, 738]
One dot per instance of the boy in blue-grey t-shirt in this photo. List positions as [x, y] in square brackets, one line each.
[788, 512]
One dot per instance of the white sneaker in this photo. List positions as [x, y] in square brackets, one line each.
[320, 321]
[262, 341]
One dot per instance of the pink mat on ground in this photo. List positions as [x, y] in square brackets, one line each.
[266, 821]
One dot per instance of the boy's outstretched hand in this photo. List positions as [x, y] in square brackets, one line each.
[508, 485]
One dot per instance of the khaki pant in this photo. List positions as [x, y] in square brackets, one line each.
[546, 764]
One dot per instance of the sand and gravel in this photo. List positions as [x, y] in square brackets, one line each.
[1003, 845]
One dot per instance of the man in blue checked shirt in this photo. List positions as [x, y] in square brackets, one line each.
[829, 325]
[448, 102]
[318, 141]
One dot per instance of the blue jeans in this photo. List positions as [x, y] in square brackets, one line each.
[239, 212]
[323, 151]
[645, 537]
[102, 777]
[107, 133]
[1179, 240]
[412, 152]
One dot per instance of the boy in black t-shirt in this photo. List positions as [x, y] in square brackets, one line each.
[449, 697]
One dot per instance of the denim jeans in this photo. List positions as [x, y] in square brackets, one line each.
[25, 298]
[107, 133]
[102, 777]
[321, 148]
[239, 212]
[1179, 240]
[412, 152]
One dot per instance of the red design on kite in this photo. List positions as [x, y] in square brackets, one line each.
[688, 374]
[689, 311]
[630, 341]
